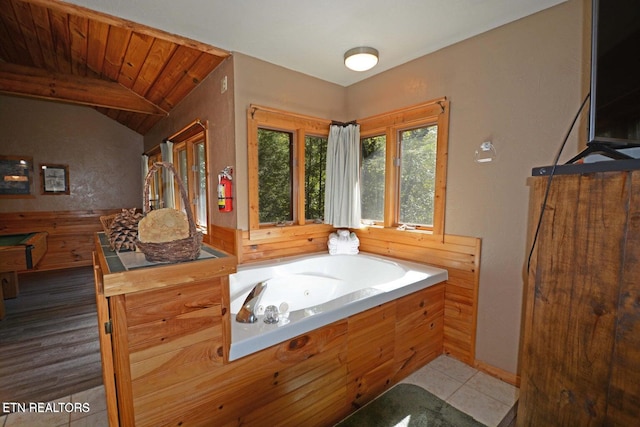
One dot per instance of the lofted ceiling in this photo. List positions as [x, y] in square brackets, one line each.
[135, 60]
[131, 73]
[311, 36]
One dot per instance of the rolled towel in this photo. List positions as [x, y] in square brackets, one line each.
[343, 242]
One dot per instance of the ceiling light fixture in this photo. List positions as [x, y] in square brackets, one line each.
[361, 58]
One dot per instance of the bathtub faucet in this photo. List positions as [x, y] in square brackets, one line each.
[247, 312]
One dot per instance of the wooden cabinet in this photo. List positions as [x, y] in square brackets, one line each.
[162, 329]
[581, 347]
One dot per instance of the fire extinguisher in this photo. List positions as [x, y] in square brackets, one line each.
[225, 199]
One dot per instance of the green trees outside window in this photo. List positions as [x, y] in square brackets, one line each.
[372, 176]
[417, 175]
[275, 175]
[315, 170]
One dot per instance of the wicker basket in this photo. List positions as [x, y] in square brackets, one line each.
[186, 249]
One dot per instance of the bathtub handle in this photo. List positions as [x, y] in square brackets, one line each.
[247, 312]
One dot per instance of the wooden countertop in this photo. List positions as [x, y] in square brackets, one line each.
[118, 279]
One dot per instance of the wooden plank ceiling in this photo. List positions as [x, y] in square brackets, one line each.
[133, 74]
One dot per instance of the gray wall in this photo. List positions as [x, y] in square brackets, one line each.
[103, 156]
[519, 86]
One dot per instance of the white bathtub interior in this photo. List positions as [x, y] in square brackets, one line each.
[313, 291]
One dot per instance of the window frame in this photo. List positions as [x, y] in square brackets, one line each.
[191, 186]
[293, 156]
[193, 133]
[435, 112]
[304, 175]
[301, 126]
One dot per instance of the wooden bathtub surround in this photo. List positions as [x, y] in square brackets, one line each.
[278, 242]
[459, 255]
[169, 345]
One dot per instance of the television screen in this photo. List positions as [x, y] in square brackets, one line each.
[615, 73]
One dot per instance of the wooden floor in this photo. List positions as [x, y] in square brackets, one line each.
[49, 338]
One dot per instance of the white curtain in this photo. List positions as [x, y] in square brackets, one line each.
[342, 189]
[145, 170]
[166, 149]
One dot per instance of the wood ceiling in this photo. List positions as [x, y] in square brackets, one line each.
[133, 74]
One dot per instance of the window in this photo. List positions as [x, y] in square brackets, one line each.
[190, 161]
[372, 175]
[417, 175]
[402, 170]
[288, 151]
[315, 170]
[275, 176]
[403, 167]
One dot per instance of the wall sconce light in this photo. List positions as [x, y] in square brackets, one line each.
[486, 153]
[361, 58]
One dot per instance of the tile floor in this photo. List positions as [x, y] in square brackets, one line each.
[85, 409]
[485, 398]
[482, 396]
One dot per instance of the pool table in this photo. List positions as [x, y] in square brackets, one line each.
[18, 252]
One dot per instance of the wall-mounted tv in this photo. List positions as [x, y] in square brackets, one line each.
[615, 74]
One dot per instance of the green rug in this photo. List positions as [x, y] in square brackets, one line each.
[407, 405]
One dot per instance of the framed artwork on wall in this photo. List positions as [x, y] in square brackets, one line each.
[54, 179]
[16, 176]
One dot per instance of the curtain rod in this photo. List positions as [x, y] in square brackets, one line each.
[337, 123]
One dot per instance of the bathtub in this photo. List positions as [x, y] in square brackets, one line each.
[316, 290]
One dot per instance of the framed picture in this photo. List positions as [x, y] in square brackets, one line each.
[54, 179]
[16, 176]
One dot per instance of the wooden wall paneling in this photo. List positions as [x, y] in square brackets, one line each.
[282, 234]
[305, 392]
[192, 355]
[227, 239]
[70, 234]
[174, 334]
[460, 256]
[419, 334]
[149, 306]
[246, 391]
[371, 352]
[163, 330]
[284, 241]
